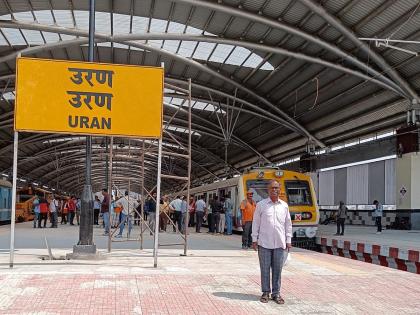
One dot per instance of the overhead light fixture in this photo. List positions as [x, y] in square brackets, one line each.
[385, 42]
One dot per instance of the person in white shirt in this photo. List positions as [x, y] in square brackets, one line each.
[200, 211]
[271, 236]
[127, 208]
[176, 207]
[53, 205]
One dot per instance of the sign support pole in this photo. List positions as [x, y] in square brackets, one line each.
[156, 243]
[85, 246]
[13, 216]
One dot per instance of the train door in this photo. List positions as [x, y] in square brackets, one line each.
[221, 193]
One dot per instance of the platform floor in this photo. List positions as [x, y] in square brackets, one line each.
[367, 234]
[216, 277]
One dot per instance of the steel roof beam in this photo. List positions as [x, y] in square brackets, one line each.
[190, 37]
[381, 62]
[187, 37]
[126, 39]
[265, 20]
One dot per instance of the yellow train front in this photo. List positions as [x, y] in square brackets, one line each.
[296, 189]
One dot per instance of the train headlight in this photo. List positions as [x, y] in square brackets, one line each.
[310, 232]
[278, 174]
[306, 215]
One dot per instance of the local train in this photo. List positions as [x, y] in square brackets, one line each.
[296, 189]
[24, 199]
[5, 201]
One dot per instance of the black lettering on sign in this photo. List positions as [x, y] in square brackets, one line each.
[106, 122]
[89, 123]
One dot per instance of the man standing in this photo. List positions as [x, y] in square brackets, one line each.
[72, 209]
[126, 213]
[184, 213]
[176, 206]
[96, 209]
[78, 210]
[53, 205]
[377, 214]
[152, 213]
[216, 208]
[200, 210]
[35, 204]
[105, 210]
[228, 207]
[271, 235]
[247, 210]
[341, 218]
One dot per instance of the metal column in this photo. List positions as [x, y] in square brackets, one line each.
[85, 244]
[156, 239]
[110, 192]
[13, 215]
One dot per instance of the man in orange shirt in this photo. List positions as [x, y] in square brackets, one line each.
[247, 210]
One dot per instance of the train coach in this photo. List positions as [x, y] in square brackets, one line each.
[296, 189]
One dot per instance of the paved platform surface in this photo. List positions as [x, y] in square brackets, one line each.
[218, 278]
[367, 234]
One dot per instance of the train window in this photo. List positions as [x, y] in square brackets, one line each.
[259, 188]
[298, 193]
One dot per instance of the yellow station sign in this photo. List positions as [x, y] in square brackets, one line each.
[88, 98]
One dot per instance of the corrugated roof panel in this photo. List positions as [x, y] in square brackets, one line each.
[296, 13]
[380, 22]
[275, 8]
[256, 32]
[314, 24]
[361, 9]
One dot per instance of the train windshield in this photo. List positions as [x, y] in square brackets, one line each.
[259, 188]
[298, 193]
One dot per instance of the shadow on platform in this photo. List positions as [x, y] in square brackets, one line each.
[237, 296]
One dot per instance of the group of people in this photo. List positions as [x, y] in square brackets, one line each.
[52, 207]
[341, 215]
[267, 226]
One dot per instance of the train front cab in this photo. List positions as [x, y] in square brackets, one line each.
[296, 189]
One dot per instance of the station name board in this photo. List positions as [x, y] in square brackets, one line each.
[58, 96]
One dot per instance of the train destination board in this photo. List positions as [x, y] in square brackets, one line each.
[88, 98]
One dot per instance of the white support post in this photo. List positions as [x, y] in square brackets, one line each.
[13, 214]
[156, 239]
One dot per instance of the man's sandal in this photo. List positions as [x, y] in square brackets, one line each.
[264, 298]
[278, 299]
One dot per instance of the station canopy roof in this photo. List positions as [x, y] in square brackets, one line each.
[269, 78]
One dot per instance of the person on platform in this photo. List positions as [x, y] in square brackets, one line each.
[64, 211]
[105, 210]
[377, 214]
[271, 236]
[200, 211]
[35, 204]
[72, 209]
[341, 218]
[152, 213]
[78, 210]
[228, 207]
[43, 212]
[53, 208]
[222, 221]
[216, 208]
[96, 210]
[191, 212]
[184, 213]
[175, 206]
[163, 214]
[247, 210]
[127, 207]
